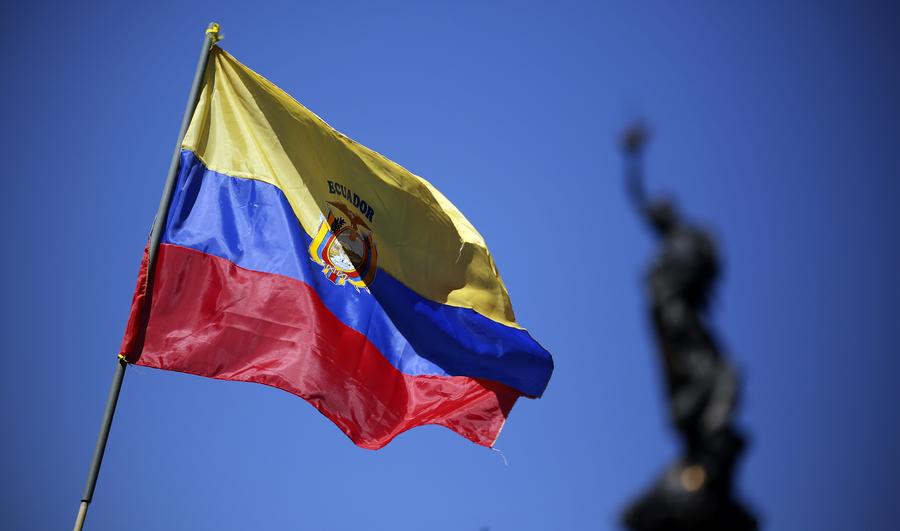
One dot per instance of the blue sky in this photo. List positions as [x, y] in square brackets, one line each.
[776, 124]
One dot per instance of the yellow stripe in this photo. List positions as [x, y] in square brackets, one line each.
[245, 126]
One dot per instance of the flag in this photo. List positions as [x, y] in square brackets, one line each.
[294, 257]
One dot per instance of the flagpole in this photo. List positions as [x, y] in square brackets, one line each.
[212, 36]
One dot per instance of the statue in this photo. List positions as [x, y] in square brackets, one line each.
[695, 492]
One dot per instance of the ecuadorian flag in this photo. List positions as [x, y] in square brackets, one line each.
[294, 257]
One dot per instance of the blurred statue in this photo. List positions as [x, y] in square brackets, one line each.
[694, 493]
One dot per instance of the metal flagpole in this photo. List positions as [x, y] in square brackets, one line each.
[212, 36]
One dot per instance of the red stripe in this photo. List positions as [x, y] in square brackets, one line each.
[212, 318]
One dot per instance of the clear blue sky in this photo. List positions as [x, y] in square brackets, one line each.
[777, 124]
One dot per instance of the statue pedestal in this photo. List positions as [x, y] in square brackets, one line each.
[685, 499]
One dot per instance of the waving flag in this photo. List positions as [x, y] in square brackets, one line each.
[294, 257]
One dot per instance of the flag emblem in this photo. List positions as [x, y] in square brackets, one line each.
[345, 250]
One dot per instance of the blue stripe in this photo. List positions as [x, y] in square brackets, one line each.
[252, 224]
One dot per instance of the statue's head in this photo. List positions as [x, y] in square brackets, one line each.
[663, 215]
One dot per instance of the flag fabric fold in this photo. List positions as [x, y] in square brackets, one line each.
[297, 258]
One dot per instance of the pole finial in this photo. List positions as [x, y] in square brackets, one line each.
[213, 32]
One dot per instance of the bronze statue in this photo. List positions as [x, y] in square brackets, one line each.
[694, 493]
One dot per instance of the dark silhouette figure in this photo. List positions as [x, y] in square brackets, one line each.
[695, 492]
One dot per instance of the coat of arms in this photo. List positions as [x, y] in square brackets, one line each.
[345, 248]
